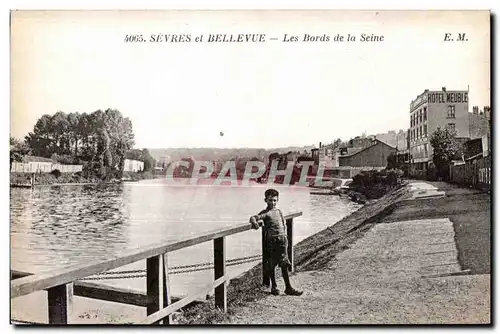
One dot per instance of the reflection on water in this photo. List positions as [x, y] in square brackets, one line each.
[57, 226]
[52, 227]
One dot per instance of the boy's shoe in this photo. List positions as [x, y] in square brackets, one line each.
[293, 292]
[275, 291]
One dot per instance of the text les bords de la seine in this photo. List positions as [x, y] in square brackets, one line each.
[249, 38]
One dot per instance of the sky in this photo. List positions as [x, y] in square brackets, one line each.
[266, 95]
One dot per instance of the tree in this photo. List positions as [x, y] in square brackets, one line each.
[18, 149]
[149, 161]
[40, 140]
[60, 132]
[337, 143]
[134, 154]
[445, 149]
[96, 140]
[103, 153]
[121, 136]
[74, 120]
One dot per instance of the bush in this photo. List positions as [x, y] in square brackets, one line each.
[56, 172]
[375, 184]
[405, 168]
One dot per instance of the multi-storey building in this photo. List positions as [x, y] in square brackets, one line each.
[479, 122]
[432, 110]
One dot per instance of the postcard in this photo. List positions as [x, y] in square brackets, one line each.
[253, 167]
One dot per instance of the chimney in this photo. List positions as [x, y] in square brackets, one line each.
[443, 88]
[319, 144]
[487, 111]
[475, 110]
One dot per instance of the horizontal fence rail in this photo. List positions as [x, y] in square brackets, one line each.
[63, 283]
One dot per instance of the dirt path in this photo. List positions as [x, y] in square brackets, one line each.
[400, 272]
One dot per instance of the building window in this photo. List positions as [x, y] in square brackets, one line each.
[425, 114]
[425, 151]
[425, 130]
[451, 127]
[420, 115]
[451, 112]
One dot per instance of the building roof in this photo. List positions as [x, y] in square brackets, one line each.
[378, 141]
[33, 158]
[383, 142]
[354, 150]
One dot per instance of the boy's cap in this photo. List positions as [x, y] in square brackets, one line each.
[271, 193]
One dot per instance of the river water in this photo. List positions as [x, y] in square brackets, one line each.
[59, 226]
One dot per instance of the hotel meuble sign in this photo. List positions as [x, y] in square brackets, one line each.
[442, 97]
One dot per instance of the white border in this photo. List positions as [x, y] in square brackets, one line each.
[200, 4]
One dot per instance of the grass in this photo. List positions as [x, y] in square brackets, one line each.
[47, 178]
[138, 176]
[76, 178]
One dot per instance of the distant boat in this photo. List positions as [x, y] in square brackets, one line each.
[128, 179]
[20, 185]
[323, 193]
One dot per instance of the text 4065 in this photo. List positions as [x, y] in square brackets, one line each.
[134, 38]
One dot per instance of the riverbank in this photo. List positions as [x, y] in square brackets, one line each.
[48, 179]
[310, 254]
[368, 264]
[424, 259]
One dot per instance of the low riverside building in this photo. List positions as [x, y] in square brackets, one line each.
[133, 166]
[475, 169]
[35, 164]
[374, 155]
[403, 147]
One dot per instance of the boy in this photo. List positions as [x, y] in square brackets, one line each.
[272, 221]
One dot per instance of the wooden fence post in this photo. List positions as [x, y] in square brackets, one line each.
[266, 279]
[153, 284]
[60, 299]
[289, 235]
[166, 288]
[219, 271]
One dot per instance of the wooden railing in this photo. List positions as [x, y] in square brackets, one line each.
[62, 284]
